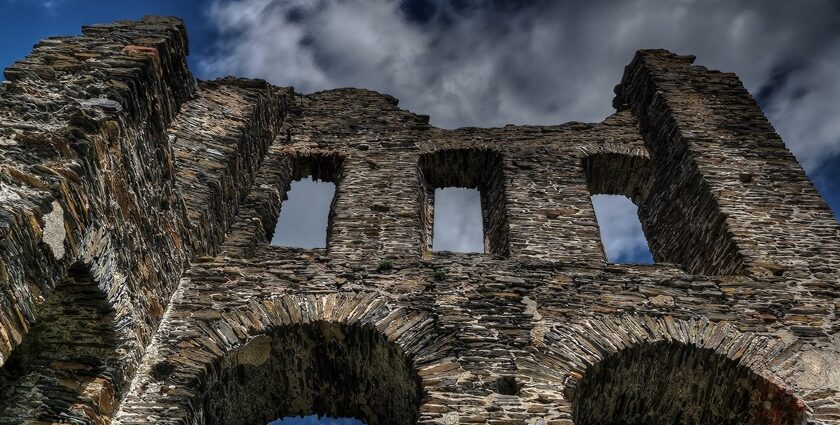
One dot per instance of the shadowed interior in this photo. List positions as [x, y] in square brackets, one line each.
[66, 368]
[321, 368]
[670, 383]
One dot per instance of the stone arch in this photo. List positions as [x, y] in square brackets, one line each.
[668, 382]
[325, 368]
[339, 354]
[640, 370]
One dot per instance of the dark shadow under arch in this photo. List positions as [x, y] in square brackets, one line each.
[324, 368]
[67, 367]
[665, 383]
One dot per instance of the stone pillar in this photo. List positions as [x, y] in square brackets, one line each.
[549, 211]
[762, 215]
[87, 177]
[86, 117]
[219, 141]
[376, 213]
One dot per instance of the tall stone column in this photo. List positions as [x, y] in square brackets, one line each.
[762, 216]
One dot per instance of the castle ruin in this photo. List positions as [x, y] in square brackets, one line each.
[137, 284]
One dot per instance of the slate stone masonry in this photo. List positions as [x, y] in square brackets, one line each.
[137, 283]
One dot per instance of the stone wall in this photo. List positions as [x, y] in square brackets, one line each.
[736, 323]
[94, 176]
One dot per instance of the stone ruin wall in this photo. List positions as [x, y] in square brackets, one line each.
[137, 284]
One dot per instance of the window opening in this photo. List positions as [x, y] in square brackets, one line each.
[457, 222]
[621, 231]
[304, 215]
[467, 187]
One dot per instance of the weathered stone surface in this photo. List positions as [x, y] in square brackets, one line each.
[176, 309]
[89, 180]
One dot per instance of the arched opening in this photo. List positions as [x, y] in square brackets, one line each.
[320, 368]
[67, 367]
[672, 383]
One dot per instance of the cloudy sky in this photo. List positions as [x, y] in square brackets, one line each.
[494, 62]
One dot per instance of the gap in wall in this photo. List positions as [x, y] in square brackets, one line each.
[304, 215]
[315, 420]
[454, 171]
[457, 223]
[621, 231]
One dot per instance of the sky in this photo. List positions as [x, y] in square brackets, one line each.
[457, 224]
[315, 420]
[495, 62]
[305, 199]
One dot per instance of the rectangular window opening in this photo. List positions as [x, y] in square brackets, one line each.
[622, 236]
[463, 202]
[305, 215]
[458, 225]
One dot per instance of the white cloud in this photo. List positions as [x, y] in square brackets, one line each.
[806, 109]
[545, 62]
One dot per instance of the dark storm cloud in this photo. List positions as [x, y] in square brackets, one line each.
[489, 63]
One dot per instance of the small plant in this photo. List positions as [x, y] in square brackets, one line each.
[441, 274]
[385, 265]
